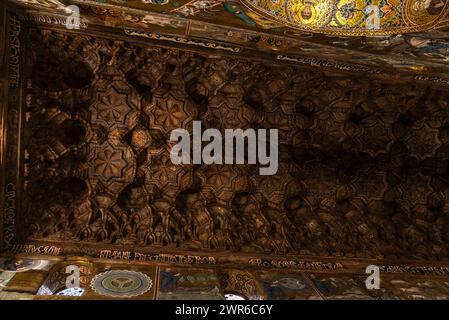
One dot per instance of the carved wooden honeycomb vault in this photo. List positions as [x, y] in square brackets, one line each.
[363, 163]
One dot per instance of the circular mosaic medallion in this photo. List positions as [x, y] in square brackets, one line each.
[121, 283]
[423, 11]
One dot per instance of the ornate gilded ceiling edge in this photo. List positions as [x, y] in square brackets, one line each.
[303, 60]
[342, 32]
[122, 9]
[225, 260]
[324, 64]
[219, 44]
[293, 40]
[58, 19]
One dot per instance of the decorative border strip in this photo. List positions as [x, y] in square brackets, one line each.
[289, 263]
[12, 131]
[3, 105]
[164, 258]
[48, 250]
[416, 270]
[14, 28]
[328, 64]
[182, 40]
[292, 264]
[422, 77]
[55, 20]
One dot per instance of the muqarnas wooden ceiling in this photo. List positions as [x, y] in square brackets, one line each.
[363, 159]
[362, 170]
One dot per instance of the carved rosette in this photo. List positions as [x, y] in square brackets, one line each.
[164, 176]
[170, 110]
[116, 105]
[113, 166]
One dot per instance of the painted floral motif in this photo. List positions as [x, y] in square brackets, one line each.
[347, 10]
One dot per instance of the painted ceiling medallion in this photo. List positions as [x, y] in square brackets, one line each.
[352, 17]
[121, 283]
